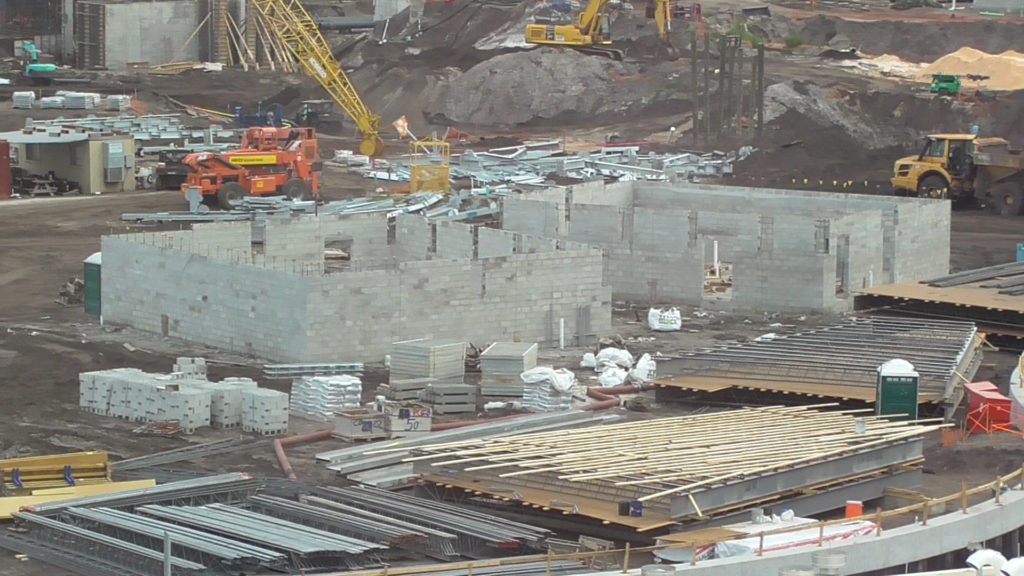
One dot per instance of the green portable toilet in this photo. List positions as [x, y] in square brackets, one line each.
[91, 274]
[898, 390]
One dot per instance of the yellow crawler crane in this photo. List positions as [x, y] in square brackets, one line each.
[292, 24]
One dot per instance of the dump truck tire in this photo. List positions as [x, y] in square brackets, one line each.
[230, 195]
[933, 186]
[1008, 200]
[296, 190]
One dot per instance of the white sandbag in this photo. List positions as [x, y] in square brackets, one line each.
[561, 380]
[620, 358]
[613, 377]
[645, 370]
[589, 361]
[664, 320]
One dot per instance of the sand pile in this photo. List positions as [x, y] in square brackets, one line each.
[1005, 70]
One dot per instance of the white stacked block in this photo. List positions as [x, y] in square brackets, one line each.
[52, 102]
[188, 405]
[193, 367]
[119, 102]
[80, 100]
[264, 412]
[94, 390]
[320, 397]
[225, 404]
[241, 383]
[24, 100]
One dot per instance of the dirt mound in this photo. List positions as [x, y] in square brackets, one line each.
[543, 83]
[1005, 70]
[912, 41]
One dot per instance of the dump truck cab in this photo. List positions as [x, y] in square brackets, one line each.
[962, 168]
[943, 169]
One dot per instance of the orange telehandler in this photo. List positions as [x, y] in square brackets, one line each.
[271, 161]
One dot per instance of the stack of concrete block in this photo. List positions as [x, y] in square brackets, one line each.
[444, 360]
[360, 425]
[500, 366]
[450, 398]
[321, 397]
[24, 100]
[184, 395]
[265, 412]
[191, 367]
[189, 406]
[225, 404]
[540, 394]
[119, 102]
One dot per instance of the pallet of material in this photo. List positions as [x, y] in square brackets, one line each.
[360, 425]
[407, 389]
[508, 359]
[501, 387]
[22, 476]
[451, 398]
[444, 360]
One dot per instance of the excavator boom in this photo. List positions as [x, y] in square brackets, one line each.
[290, 21]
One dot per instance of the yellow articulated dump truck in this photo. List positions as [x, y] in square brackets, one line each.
[965, 168]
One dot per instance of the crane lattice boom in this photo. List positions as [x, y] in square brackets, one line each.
[290, 22]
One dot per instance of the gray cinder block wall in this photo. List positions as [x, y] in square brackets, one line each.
[280, 303]
[789, 250]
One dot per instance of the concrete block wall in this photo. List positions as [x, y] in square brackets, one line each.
[454, 241]
[783, 245]
[298, 239]
[227, 236]
[521, 297]
[922, 241]
[413, 238]
[286, 309]
[534, 216]
[238, 307]
[619, 194]
[367, 233]
[492, 243]
[788, 272]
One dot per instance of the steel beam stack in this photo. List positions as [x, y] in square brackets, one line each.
[190, 544]
[479, 535]
[311, 547]
[226, 488]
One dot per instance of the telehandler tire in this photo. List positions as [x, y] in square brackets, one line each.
[230, 195]
[296, 190]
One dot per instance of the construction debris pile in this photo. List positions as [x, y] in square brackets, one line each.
[185, 397]
[504, 169]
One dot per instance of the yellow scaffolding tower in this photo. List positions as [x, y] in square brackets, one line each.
[430, 166]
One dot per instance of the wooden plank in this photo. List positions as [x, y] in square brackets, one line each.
[13, 504]
[964, 295]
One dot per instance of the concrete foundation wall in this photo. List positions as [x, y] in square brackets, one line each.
[153, 32]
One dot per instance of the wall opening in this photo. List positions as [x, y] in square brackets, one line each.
[337, 254]
[842, 264]
[717, 272]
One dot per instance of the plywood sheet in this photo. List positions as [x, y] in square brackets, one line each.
[967, 295]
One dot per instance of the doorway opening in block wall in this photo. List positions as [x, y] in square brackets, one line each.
[717, 272]
[337, 254]
[842, 265]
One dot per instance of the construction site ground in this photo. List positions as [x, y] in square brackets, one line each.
[829, 128]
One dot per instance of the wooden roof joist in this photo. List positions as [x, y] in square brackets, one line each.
[654, 459]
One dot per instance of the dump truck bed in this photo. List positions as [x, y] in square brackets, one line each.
[996, 153]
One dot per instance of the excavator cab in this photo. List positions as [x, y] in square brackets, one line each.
[318, 114]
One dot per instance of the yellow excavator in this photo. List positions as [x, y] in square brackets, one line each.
[591, 34]
[290, 21]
